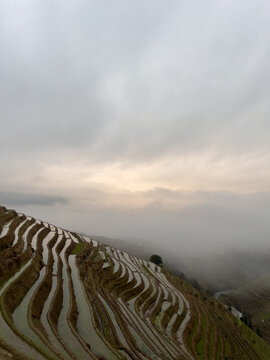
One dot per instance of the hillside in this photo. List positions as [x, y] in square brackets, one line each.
[254, 300]
[67, 296]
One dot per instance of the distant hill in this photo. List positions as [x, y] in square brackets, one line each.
[67, 296]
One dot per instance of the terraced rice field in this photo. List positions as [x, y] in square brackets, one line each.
[253, 299]
[66, 296]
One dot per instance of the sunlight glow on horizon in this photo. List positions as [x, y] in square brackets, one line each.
[124, 185]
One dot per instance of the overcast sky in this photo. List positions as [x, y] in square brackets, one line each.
[141, 119]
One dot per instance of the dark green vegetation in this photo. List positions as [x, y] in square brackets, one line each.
[78, 248]
[156, 259]
[67, 296]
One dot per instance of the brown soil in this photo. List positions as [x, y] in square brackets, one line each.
[16, 292]
[43, 290]
[56, 305]
[7, 240]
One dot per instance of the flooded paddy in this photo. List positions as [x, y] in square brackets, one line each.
[20, 318]
[43, 318]
[85, 323]
[132, 312]
[65, 332]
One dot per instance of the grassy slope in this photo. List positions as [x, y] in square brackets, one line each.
[254, 298]
[240, 342]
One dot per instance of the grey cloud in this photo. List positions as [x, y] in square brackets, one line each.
[23, 199]
[100, 78]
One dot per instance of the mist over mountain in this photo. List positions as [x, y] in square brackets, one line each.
[216, 223]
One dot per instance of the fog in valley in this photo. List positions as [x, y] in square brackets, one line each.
[143, 122]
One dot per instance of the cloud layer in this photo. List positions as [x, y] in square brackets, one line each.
[139, 108]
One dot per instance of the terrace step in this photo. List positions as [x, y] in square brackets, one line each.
[66, 296]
